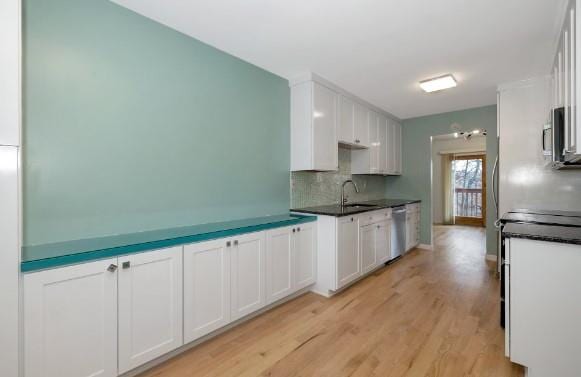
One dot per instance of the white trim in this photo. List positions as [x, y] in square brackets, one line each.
[425, 246]
[310, 76]
[491, 257]
[10, 187]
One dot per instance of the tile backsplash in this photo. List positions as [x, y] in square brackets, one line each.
[322, 188]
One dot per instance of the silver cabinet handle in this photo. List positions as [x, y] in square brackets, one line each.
[228, 244]
[352, 219]
[235, 242]
[112, 268]
[294, 230]
[126, 265]
[299, 229]
[378, 227]
[357, 141]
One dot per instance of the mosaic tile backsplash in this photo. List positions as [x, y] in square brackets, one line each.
[310, 189]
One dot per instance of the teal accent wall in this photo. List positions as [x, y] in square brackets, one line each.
[132, 126]
[415, 181]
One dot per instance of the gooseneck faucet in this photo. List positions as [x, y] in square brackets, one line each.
[343, 197]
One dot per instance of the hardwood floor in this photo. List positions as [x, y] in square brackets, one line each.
[432, 313]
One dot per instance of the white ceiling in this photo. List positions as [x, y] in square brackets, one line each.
[379, 49]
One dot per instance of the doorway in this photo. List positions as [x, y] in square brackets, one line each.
[469, 180]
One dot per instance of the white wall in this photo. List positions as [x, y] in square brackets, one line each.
[9, 185]
[476, 144]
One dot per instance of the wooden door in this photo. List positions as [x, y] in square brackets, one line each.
[470, 190]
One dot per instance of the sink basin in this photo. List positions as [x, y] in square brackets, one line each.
[359, 205]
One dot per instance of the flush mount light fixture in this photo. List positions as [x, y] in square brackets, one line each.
[438, 83]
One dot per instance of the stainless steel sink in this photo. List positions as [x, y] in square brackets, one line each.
[359, 205]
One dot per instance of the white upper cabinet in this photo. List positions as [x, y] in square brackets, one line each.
[346, 121]
[70, 321]
[565, 91]
[361, 125]
[206, 287]
[248, 286]
[150, 306]
[382, 140]
[396, 148]
[10, 51]
[324, 116]
[314, 143]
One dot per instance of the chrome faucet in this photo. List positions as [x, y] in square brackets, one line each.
[343, 197]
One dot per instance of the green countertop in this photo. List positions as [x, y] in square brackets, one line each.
[52, 255]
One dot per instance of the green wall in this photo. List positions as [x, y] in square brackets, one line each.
[130, 125]
[415, 181]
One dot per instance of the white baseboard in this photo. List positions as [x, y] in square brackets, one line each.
[491, 257]
[425, 246]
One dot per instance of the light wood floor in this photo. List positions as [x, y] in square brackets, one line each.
[433, 313]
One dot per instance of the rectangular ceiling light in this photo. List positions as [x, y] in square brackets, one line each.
[438, 83]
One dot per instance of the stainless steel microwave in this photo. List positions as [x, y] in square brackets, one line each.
[560, 159]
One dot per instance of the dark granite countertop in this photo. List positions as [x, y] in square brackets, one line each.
[370, 205]
[541, 232]
[551, 212]
[547, 219]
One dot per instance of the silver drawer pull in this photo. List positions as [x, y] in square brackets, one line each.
[228, 244]
[112, 268]
[235, 242]
[126, 265]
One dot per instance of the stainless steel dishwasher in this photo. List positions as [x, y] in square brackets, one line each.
[398, 231]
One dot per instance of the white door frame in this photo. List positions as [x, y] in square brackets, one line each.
[10, 118]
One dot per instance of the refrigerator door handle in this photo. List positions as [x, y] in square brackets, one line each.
[494, 194]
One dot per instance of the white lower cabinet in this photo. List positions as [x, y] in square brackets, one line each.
[368, 251]
[70, 321]
[206, 288]
[347, 253]
[383, 241]
[279, 261]
[248, 287]
[150, 306]
[290, 260]
[105, 318]
[305, 256]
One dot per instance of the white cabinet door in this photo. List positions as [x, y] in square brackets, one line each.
[279, 263]
[305, 255]
[373, 119]
[390, 150]
[248, 274]
[206, 287]
[348, 263]
[70, 321]
[367, 247]
[397, 148]
[382, 140]
[325, 149]
[361, 126]
[346, 118]
[383, 241]
[150, 306]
